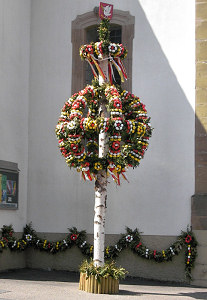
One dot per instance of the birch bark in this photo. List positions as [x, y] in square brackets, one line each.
[101, 185]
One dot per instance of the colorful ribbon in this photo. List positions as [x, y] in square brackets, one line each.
[92, 68]
[118, 64]
[121, 65]
[98, 67]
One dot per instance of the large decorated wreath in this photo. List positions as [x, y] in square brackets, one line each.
[79, 125]
[127, 126]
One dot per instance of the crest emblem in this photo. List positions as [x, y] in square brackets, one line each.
[105, 11]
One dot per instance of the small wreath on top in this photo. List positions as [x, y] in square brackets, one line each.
[128, 128]
[97, 49]
[104, 47]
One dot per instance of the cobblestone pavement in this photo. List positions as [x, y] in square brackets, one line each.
[55, 285]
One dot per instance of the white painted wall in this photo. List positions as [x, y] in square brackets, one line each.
[164, 78]
[14, 96]
[157, 199]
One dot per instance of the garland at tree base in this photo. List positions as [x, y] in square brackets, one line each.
[131, 239]
[108, 269]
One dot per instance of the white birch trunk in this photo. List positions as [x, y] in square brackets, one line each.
[100, 187]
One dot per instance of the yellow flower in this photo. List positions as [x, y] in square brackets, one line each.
[98, 166]
[81, 159]
[69, 160]
[91, 124]
[45, 241]
[118, 51]
[118, 168]
[91, 249]
[141, 130]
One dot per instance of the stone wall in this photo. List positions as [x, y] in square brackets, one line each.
[199, 200]
[201, 95]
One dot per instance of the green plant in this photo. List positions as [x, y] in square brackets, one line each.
[109, 269]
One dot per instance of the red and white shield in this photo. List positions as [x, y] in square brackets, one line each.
[105, 11]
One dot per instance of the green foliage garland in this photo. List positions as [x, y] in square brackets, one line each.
[104, 32]
[131, 239]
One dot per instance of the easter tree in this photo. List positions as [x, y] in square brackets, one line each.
[103, 130]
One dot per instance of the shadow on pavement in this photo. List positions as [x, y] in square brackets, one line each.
[66, 276]
[198, 295]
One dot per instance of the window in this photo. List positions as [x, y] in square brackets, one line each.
[84, 30]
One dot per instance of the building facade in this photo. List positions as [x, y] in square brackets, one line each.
[41, 68]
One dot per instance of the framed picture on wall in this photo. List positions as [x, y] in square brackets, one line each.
[9, 183]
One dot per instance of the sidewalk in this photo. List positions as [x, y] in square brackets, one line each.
[55, 285]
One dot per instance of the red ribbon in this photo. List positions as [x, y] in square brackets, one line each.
[121, 65]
